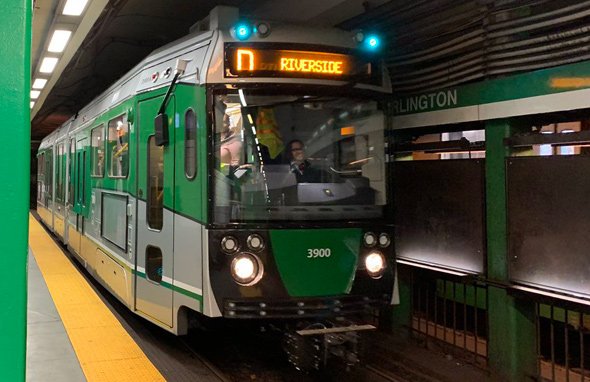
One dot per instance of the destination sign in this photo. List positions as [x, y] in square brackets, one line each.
[251, 61]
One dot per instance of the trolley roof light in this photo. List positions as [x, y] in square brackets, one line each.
[372, 42]
[375, 264]
[243, 31]
[262, 29]
[35, 94]
[359, 36]
[246, 269]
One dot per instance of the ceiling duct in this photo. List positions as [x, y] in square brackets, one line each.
[438, 44]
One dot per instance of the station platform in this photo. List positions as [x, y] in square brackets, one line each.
[71, 334]
[50, 355]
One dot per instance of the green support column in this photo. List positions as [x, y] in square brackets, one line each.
[512, 328]
[15, 45]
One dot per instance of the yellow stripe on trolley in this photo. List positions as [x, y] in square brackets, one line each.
[104, 348]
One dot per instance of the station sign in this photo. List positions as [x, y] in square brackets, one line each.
[559, 82]
[256, 60]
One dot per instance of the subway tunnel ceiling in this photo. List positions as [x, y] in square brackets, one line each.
[429, 44]
[125, 32]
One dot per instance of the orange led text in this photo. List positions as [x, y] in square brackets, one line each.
[311, 66]
[245, 60]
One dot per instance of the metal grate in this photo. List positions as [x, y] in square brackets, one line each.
[452, 312]
[563, 335]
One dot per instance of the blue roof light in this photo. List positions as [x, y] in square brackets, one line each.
[243, 31]
[372, 42]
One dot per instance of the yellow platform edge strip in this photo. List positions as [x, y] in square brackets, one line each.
[105, 350]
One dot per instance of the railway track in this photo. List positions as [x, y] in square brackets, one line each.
[259, 357]
[216, 371]
[384, 374]
[398, 372]
[228, 355]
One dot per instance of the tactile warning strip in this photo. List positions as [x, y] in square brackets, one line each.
[105, 350]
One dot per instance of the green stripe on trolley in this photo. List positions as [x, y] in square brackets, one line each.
[174, 288]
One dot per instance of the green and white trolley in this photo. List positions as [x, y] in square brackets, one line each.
[177, 189]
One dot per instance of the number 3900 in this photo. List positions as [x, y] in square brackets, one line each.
[318, 252]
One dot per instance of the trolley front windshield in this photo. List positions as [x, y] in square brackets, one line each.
[297, 157]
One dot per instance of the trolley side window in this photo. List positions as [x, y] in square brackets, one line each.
[97, 151]
[190, 144]
[153, 263]
[118, 147]
[81, 164]
[59, 173]
[70, 172]
[155, 202]
[49, 177]
[40, 175]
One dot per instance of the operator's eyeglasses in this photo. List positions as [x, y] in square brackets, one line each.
[293, 149]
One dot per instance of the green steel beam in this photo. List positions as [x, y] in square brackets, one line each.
[496, 153]
[15, 45]
[512, 342]
[512, 329]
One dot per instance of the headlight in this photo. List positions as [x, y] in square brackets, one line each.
[375, 264]
[370, 239]
[255, 242]
[384, 240]
[246, 269]
[229, 244]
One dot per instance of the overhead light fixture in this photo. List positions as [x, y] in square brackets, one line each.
[74, 7]
[32, 104]
[59, 40]
[35, 94]
[48, 64]
[39, 83]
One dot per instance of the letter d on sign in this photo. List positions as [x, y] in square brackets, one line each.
[245, 60]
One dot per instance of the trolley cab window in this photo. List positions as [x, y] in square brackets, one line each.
[97, 138]
[298, 157]
[118, 147]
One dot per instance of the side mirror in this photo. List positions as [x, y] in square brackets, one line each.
[161, 129]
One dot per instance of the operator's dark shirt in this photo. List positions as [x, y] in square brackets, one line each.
[305, 173]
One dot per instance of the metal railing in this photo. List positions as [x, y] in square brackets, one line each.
[563, 335]
[452, 312]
